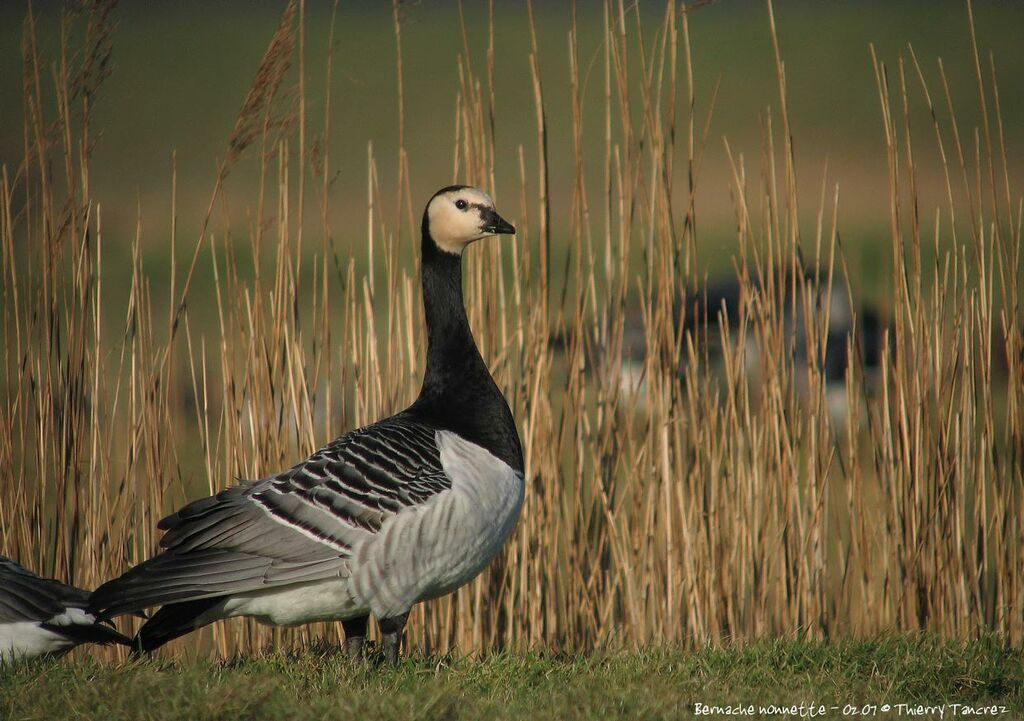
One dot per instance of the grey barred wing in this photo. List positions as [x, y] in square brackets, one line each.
[298, 526]
[360, 479]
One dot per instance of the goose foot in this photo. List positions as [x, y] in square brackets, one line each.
[392, 629]
[355, 637]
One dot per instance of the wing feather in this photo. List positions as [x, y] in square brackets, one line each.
[298, 526]
[24, 596]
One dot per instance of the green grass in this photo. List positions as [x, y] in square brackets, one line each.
[651, 684]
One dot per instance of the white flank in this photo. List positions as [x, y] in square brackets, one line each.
[27, 639]
[291, 605]
[73, 616]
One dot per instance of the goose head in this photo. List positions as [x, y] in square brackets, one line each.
[458, 215]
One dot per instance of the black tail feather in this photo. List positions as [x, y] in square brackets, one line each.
[171, 621]
[92, 633]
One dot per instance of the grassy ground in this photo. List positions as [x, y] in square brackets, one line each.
[652, 684]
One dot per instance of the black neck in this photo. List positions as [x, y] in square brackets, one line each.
[458, 393]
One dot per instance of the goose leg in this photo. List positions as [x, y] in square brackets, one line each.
[392, 629]
[355, 637]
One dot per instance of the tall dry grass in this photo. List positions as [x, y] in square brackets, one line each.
[724, 509]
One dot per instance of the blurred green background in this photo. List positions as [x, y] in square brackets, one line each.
[182, 69]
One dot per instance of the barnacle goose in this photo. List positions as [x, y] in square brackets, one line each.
[40, 616]
[404, 510]
[853, 325]
[853, 337]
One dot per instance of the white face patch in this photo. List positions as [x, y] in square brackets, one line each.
[458, 217]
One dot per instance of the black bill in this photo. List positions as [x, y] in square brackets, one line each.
[494, 223]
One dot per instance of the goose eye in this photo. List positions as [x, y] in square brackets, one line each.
[461, 204]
